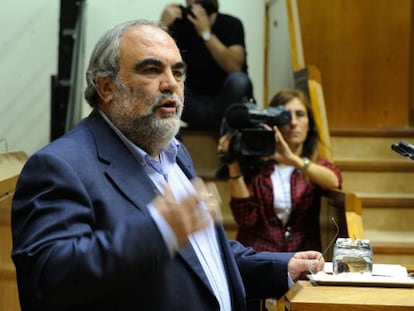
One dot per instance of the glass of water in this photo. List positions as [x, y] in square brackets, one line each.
[352, 257]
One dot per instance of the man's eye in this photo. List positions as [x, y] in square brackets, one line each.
[151, 70]
[179, 74]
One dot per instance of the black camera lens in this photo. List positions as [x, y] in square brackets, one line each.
[257, 143]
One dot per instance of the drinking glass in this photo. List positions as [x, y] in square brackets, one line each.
[352, 257]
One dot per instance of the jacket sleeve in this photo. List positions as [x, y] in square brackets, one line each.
[69, 243]
[264, 274]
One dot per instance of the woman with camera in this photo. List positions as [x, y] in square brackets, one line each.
[277, 207]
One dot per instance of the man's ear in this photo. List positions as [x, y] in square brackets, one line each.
[105, 87]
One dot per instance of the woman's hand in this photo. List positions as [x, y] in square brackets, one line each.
[224, 143]
[283, 154]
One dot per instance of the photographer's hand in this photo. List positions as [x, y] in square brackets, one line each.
[238, 188]
[170, 13]
[200, 20]
[224, 143]
[317, 174]
[226, 156]
[283, 153]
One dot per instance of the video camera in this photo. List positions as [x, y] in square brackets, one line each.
[251, 140]
[209, 5]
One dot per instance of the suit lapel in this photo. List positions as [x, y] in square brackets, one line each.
[130, 179]
[122, 167]
[129, 176]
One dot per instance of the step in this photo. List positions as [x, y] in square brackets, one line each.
[375, 165]
[392, 246]
[353, 148]
[387, 211]
[202, 146]
[377, 176]
[378, 182]
[388, 219]
[387, 200]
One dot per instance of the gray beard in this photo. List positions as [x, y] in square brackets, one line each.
[146, 131]
[152, 134]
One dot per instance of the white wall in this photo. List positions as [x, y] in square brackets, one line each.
[29, 47]
[280, 73]
[28, 56]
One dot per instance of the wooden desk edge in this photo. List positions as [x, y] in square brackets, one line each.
[288, 301]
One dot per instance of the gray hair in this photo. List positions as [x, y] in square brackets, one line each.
[104, 60]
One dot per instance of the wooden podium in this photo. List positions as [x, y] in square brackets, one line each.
[304, 296]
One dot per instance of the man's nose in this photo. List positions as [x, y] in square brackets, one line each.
[169, 82]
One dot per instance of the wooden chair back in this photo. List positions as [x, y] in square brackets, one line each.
[340, 216]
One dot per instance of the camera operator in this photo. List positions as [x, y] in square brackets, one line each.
[277, 209]
[213, 46]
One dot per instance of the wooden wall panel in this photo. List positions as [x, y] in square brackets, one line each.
[362, 49]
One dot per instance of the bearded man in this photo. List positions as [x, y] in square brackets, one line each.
[111, 215]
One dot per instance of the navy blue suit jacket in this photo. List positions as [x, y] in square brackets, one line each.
[83, 238]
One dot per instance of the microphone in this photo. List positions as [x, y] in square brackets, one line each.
[404, 149]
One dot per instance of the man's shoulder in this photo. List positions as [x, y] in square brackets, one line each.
[228, 18]
[228, 24]
[74, 143]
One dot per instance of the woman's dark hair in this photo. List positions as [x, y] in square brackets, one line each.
[312, 138]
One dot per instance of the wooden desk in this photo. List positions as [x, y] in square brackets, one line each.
[303, 296]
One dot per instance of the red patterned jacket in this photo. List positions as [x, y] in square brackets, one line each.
[258, 224]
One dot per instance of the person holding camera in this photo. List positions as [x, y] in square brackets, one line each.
[277, 207]
[213, 47]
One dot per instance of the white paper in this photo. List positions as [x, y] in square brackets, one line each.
[382, 275]
[378, 270]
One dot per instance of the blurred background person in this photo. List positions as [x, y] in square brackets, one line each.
[277, 208]
[213, 46]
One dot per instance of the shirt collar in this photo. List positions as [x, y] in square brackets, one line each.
[168, 155]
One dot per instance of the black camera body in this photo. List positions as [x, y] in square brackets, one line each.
[250, 139]
[209, 5]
